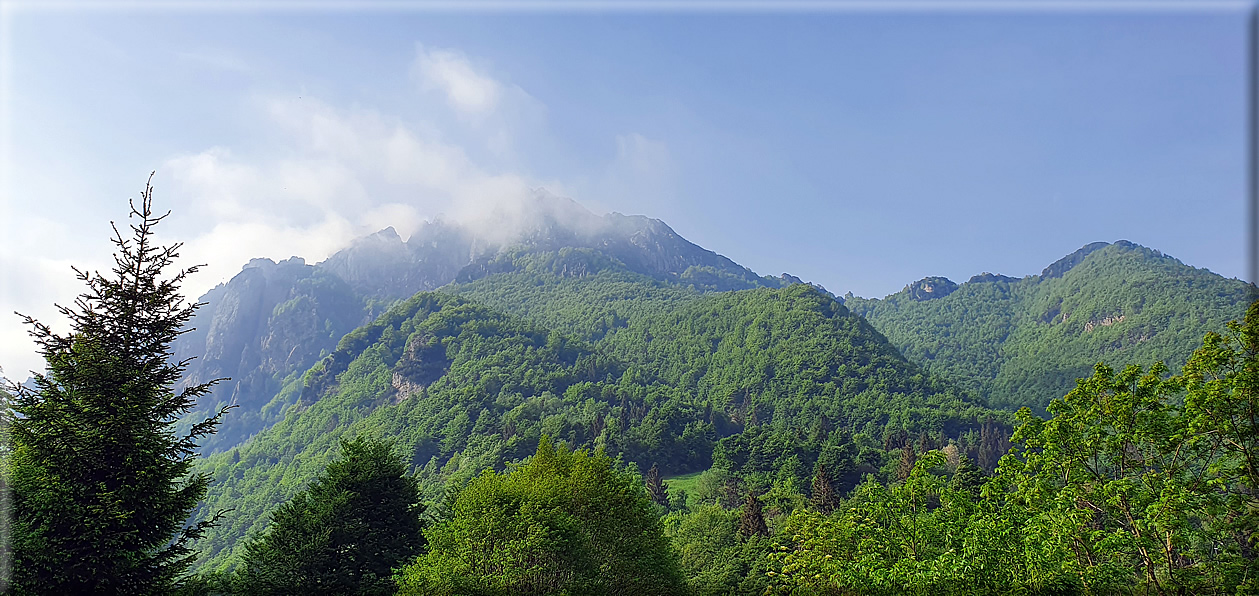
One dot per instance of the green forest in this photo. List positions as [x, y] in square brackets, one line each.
[1023, 342]
[559, 423]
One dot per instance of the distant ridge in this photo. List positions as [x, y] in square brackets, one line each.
[1024, 341]
[1063, 265]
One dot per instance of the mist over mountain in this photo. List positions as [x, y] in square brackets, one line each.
[467, 343]
[273, 320]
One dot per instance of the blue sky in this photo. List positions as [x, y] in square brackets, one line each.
[859, 150]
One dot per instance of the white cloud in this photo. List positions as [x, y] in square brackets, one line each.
[327, 174]
[345, 173]
[449, 71]
[31, 280]
[499, 122]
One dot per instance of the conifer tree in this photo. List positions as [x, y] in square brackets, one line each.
[824, 498]
[925, 443]
[730, 489]
[100, 479]
[345, 533]
[906, 465]
[752, 522]
[993, 443]
[968, 477]
[656, 487]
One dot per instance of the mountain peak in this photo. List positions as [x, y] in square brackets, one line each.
[930, 288]
[1063, 265]
[386, 234]
[986, 277]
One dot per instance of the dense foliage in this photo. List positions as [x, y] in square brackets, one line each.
[698, 430]
[789, 373]
[713, 555]
[344, 534]
[1139, 483]
[563, 522]
[818, 460]
[755, 380]
[101, 481]
[1024, 342]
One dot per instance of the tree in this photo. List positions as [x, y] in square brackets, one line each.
[730, 488]
[563, 522]
[656, 488]
[993, 443]
[1221, 408]
[345, 533]
[714, 558]
[968, 478]
[1222, 397]
[907, 461]
[752, 521]
[824, 498]
[1121, 489]
[717, 485]
[101, 483]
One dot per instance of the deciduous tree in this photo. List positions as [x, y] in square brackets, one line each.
[563, 522]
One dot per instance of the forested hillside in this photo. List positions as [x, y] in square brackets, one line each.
[272, 321]
[1023, 342]
[764, 385]
[559, 421]
[756, 380]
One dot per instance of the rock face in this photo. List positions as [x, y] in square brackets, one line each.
[383, 266]
[273, 321]
[930, 288]
[268, 322]
[423, 361]
[1104, 322]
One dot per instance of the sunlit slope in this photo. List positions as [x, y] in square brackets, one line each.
[754, 377]
[1025, 341]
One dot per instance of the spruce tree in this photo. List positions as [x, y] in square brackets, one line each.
[993, 443]
[100, 479]
[656, 489]
[906, 465]
[968, 477]
[824, 498]
[752, 522]
[345, 533]
[730, 490]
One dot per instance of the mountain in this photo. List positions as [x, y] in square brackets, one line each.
[272, 321]
[1023, 342]
[753, 380]
[466, 346]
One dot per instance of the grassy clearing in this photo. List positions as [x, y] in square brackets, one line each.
[686, 482]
